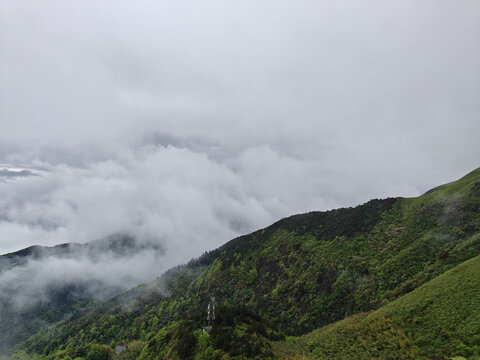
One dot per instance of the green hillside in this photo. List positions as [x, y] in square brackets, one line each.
[297, 275]
[439, 320]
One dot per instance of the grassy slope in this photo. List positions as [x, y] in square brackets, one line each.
[439, 320]
[303, 272]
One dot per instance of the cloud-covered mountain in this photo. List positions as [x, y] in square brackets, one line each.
[184, 124]
[301, 273]
[45, 284]
[27, 276]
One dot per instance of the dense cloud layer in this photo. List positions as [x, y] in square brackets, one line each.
[186, 123]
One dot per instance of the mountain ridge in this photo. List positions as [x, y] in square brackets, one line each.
[301, 273]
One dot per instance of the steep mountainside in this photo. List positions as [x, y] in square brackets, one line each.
[438, 320]
[299, 274]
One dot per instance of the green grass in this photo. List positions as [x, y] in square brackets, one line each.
[438, 320]
[457, 189]
[442, 317]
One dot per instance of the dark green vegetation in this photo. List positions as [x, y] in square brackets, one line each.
[304, 273]
[438, 320]
[238, 331]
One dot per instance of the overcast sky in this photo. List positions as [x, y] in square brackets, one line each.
[188, 123]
